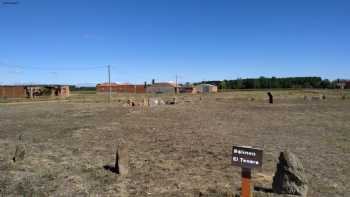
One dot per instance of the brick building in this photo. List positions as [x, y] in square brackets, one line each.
[120, 88]
[32, 91]
[205, 88]
[162, 88]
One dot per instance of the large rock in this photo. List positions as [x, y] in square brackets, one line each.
[289, 177]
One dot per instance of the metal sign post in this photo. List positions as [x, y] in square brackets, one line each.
[247, 158]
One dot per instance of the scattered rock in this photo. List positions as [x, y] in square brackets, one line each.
[289, 177]
[122, 160]
[323, 97]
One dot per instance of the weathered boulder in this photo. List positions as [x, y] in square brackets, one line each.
[289, 177]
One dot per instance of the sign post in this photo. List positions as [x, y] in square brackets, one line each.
[247, 158]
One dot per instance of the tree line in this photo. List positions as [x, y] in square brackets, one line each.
[274, 82]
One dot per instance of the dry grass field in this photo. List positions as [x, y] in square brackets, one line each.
[174, 150]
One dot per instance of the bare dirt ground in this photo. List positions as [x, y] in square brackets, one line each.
[174, 150]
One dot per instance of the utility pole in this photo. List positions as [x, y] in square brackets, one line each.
[176, 85]
[109, 84]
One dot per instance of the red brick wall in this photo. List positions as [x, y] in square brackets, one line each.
[12, 91]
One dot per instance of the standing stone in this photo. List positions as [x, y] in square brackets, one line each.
[20, 149]
[19, 153]
[289, 177]
[122, 160]
[270, 97]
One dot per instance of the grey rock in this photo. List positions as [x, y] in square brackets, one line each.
[289, 177]
[19, 153]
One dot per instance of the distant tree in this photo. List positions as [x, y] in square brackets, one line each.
[273, 82]
[325, 84]
[223, 84]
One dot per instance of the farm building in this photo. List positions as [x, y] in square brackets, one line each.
[344, 84]
[162, 88]
[347, 84]
[120, 88]
[205, 88]
[32, 91]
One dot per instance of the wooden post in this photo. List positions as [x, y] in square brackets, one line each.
[246, 182]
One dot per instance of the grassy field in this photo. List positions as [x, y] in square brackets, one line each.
[174, 150]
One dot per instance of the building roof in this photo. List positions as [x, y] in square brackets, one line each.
[118, 84]
[205, 84]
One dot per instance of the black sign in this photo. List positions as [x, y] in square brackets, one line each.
[247, 157]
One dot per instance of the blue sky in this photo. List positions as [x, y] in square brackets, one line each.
[71, 41]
